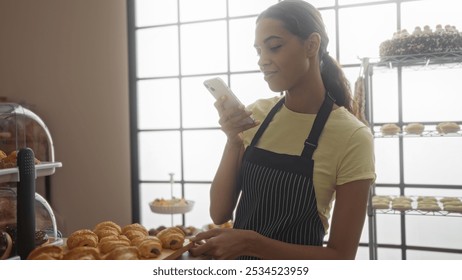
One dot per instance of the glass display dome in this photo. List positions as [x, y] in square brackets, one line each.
[20, 130]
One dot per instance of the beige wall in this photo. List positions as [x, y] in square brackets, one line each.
[69, 59]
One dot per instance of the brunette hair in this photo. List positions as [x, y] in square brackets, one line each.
[302, 19]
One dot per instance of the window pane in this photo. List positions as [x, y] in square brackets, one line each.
[322, 3]
[159, 155]
[250, 87]
[198, 108]
[157, 52]
[347, 2]
[158, 104]
[328, 16]
[155, 12]
[432, 160]
[427, 255]
[202, 9]
[387, 160]
[388, 229]
[385, 96]
[388, 254]
[200, 215]
[203, 48]
[361, 38]
[202, 154]
[432, 95]
[436, 12]
[149, 192]
[246, 7]
[243, 55]
[433, 231]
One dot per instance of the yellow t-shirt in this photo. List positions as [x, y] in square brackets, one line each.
[345, 151]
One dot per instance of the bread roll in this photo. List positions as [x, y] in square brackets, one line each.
[414, 128]
[390, 129]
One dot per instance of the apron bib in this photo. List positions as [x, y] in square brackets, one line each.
[277, 193]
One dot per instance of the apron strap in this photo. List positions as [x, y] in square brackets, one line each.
[266, 121]
[311, 143]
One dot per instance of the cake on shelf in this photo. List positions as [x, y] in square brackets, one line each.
[422, 41]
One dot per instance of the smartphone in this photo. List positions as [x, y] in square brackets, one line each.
[218, 88]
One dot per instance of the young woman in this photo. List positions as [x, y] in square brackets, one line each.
[284, 172]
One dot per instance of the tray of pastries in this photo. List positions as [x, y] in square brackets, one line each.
[171, 206]
[109, 241]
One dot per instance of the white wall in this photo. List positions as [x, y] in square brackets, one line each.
[69, 59]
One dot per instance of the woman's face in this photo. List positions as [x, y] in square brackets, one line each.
[282, 55]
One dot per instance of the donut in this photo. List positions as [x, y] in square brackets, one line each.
[414, 128]
[390, 129]
[82, 237]
[52, 252]
[41, 238]
[6, 245]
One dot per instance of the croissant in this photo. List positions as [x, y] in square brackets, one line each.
[108, 225]
[108, 246]
[82, 253]
[51, 252]
[124, 253]
[135, 226]
[171, 238]
[150, 247]
[83, 237]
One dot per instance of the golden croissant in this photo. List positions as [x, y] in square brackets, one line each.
[171, 238]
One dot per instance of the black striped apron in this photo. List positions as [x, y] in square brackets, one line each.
[277, 193]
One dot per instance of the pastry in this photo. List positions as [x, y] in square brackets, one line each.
[106, 231]
[390, 129]
[82, 253]
[134, 226]
[108, 246]
[2, 155]
[447, 127]
[150, 247]
[108, 225]
[453, 208]
[414, 128]
[50, 252]
[426, 206]
[170, 202]
[124, 253]
[41, 238]
[401, 206]
[426, 199]
[171, 238]
[114, 238]
[6, 245]
[83, 237]
[449, 199]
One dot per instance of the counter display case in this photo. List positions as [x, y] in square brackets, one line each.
[26, 153]
[417, 142]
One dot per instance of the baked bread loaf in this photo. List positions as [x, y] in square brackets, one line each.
[390, 129]
[414, 128]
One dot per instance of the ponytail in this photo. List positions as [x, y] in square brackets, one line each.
[335, 82]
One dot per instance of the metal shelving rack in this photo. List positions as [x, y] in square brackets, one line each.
[415, 61]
